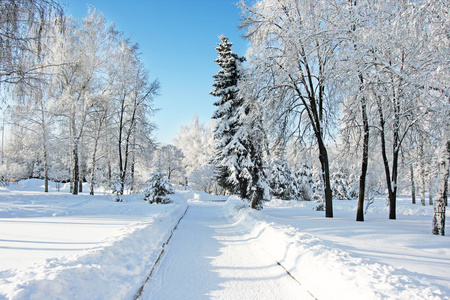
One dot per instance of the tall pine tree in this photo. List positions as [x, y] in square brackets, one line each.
[239, 135]
[225, 87]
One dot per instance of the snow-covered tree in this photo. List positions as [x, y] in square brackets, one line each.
[23, 25]
[291, 55]
[133, 97]
[306, 182]
[284, 184]
[168, 159]
[239, 132]
[158, 189]
[442, 193]
[204, 179]
[342, 185]
[196, 142]
[227, 116]
[116, 187]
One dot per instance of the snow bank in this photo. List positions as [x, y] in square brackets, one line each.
[328, 273]
[113, 269]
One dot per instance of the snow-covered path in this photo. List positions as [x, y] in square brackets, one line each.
[210, 258]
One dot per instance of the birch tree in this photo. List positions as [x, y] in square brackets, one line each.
[133, 95]
[80, 55]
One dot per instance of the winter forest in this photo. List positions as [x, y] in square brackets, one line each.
[335, 104]
[334, 100]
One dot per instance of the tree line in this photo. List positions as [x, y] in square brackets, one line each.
[80, 99]
[360, 86]
[371, 74]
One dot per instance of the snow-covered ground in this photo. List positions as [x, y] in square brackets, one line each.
[340, 258]
[59, 246]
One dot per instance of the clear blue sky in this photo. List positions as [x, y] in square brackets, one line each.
[177, 40]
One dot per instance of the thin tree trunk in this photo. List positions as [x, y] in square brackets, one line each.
[45, 169]
[413, 185]
[364, 164]
[422, 174]
[109, 173]
[439, 204]
[75, 175]
[323, 157]
[390, 182]
[44, 146]
[94, 154]
[132, 173]
[430, 195]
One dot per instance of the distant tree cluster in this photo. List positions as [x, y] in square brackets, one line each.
[81, 100]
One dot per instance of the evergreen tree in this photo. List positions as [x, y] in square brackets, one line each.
[158, 189]
[284, 184]
[307, 184]
[239, 132]
[228, 122]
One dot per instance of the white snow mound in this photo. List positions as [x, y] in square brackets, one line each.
[329, 273]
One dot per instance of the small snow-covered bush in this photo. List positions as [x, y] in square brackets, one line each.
[306, 183]
[283, 182]
[343, 186]
[116, 187]
[158, 189]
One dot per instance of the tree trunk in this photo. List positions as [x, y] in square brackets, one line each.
[80, 185]
[45, 168]
[390, 182]
[422, 173]
[75, 174]
[439, 205]
[109, 173]
[364, 164]
[413, 185]
[91, 184]
[94, 154]
[430, 197]
[132, 174]
[323, 157]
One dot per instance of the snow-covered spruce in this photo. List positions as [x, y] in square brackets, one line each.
[239, 133]
[158, 189]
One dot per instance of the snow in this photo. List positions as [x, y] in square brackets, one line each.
[59, 246]
[379, 258]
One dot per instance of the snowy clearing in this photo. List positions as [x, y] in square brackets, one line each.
[58, 246]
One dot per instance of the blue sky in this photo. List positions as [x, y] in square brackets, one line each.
[177, 40]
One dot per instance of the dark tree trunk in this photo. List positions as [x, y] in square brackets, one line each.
[75, 175]
[364, 164]
[80, 185]
[390, 182]
[326, 179]
[413, 186]
[45, 168]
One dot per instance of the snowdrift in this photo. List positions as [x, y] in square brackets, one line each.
[328, 273]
